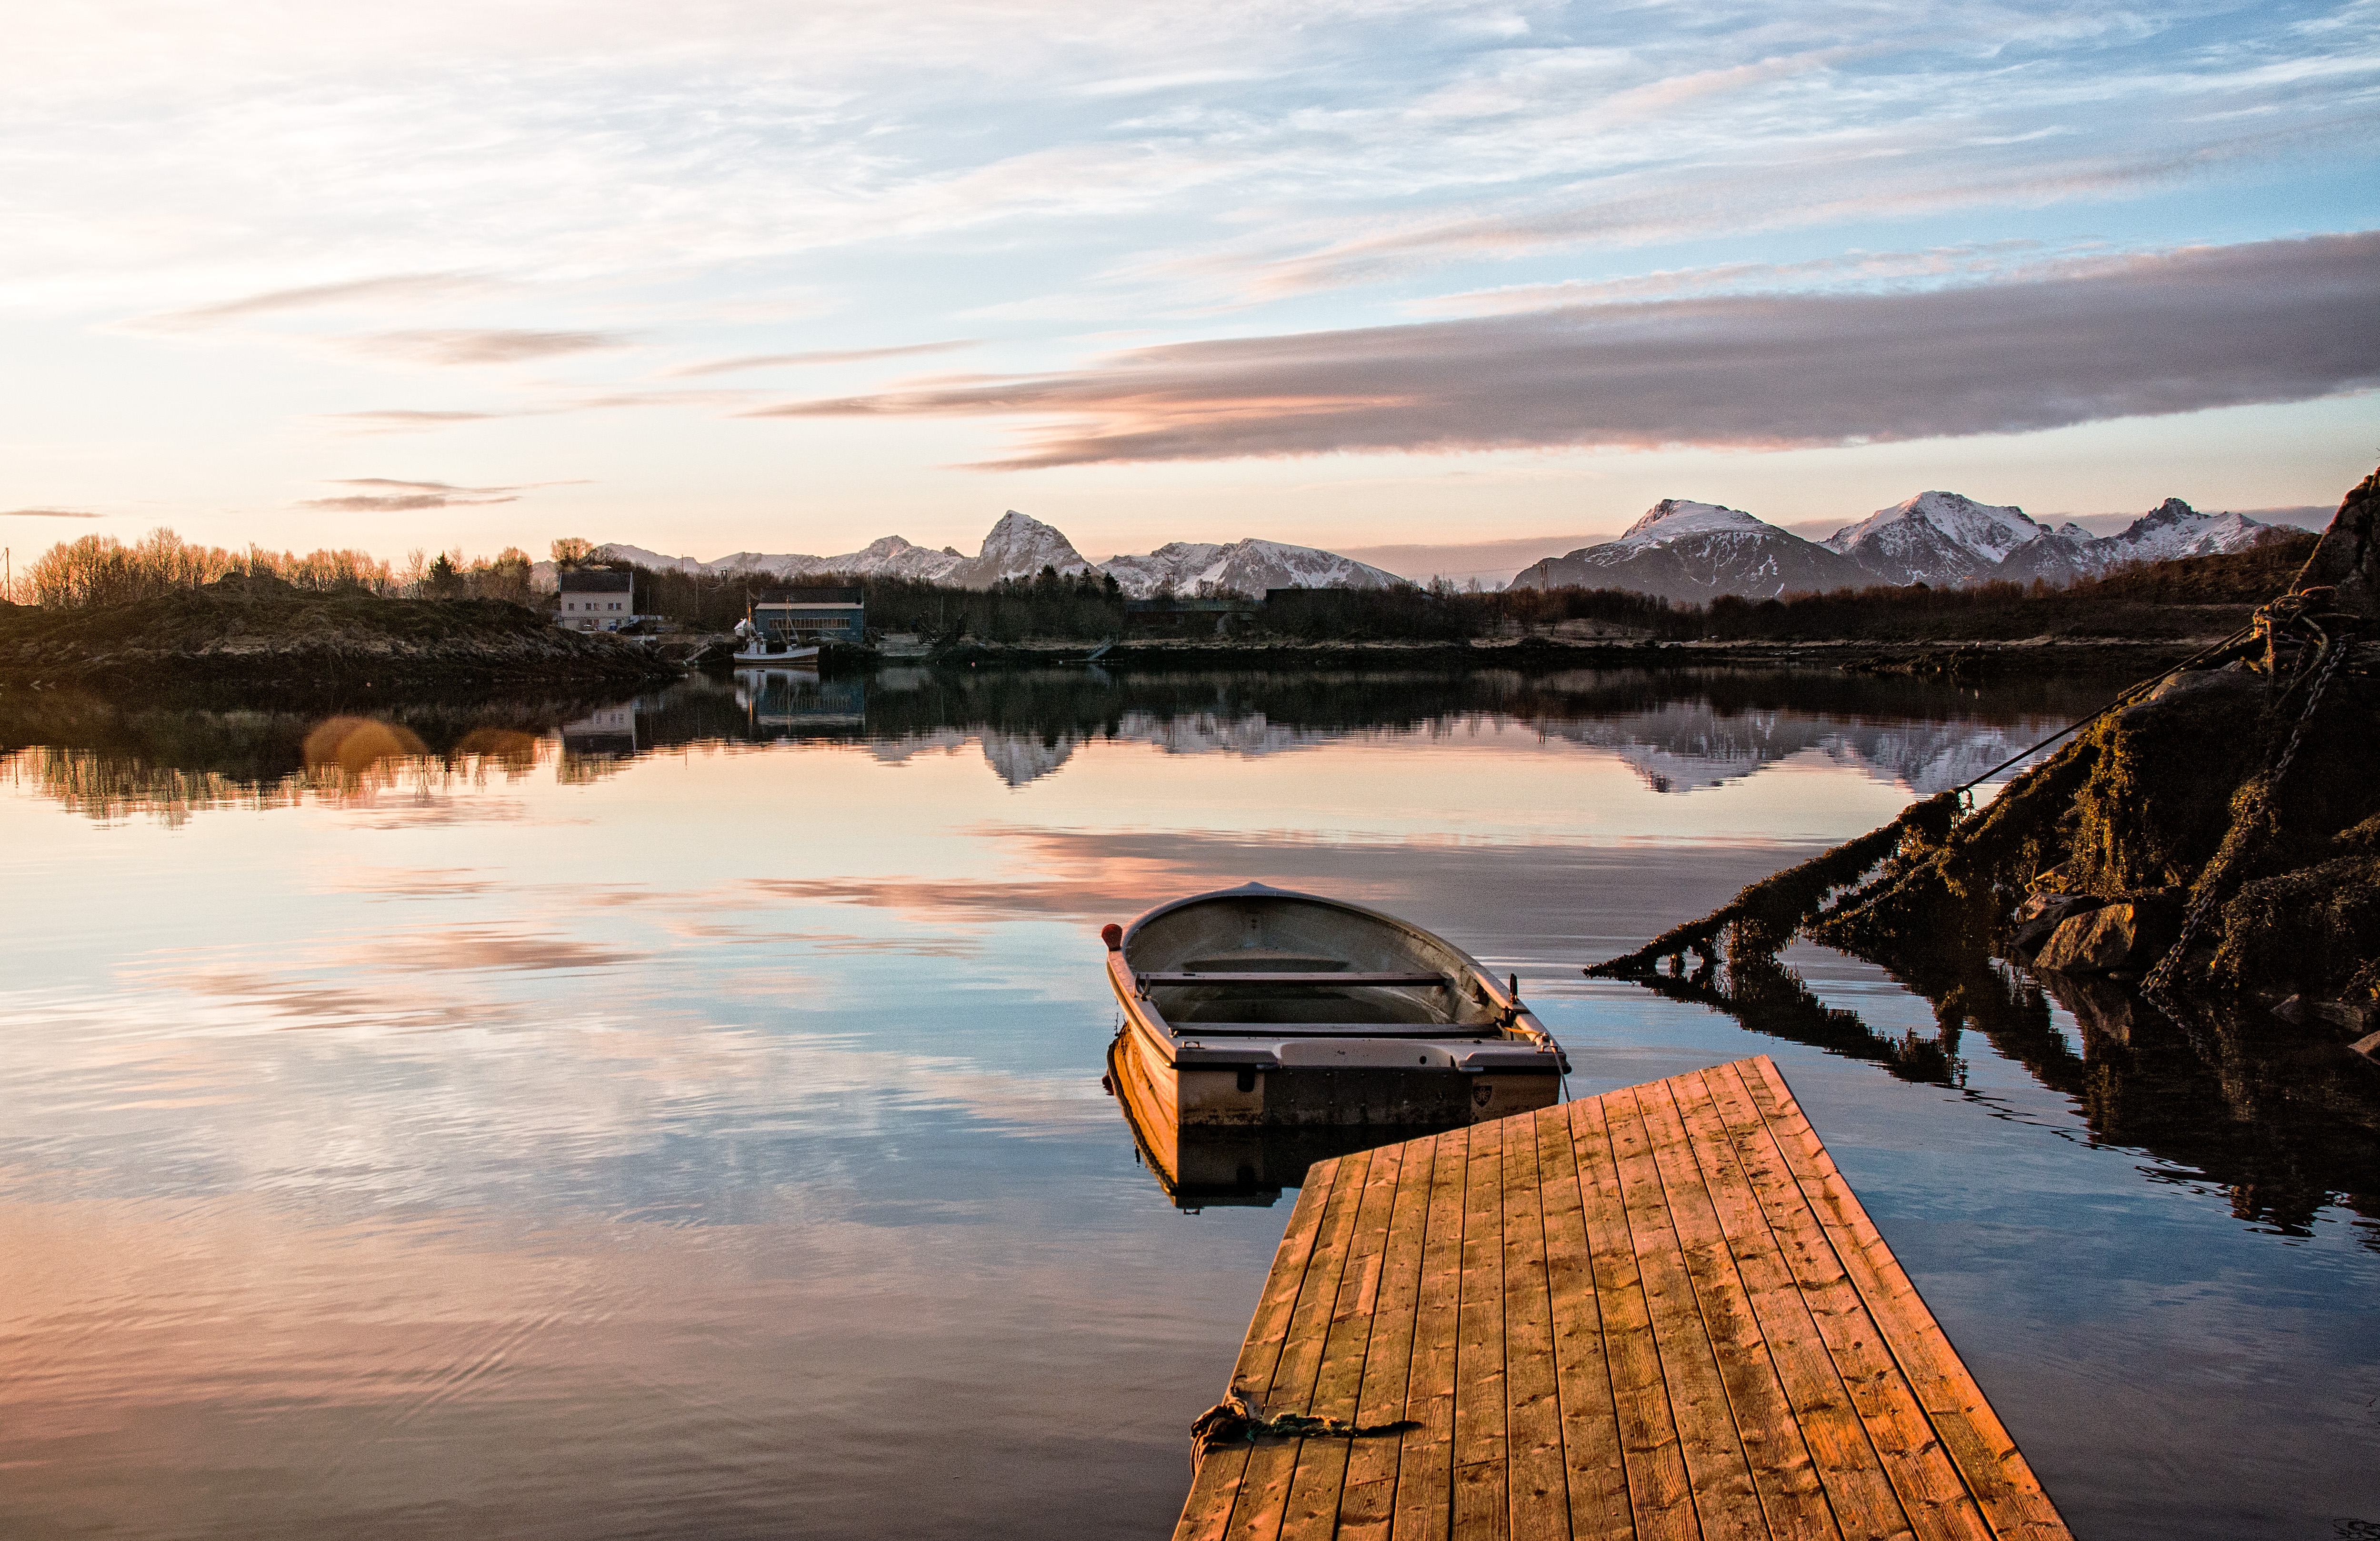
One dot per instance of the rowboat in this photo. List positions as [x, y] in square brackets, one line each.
[1257, 1007]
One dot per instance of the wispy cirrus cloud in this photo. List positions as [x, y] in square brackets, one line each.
[822, 356]
[2176, 332]
[390, 495]
[408, 419]
[45, 514]
[393, 289]
[1864, 174]
[470, 346]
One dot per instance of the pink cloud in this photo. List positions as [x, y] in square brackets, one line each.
[2176, 332]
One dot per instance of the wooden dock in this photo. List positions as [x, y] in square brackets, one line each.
[1659, 1312]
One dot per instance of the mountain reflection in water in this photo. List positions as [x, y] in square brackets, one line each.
[1678, 729]
[680, 1116]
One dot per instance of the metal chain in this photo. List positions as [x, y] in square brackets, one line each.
[2203, 904]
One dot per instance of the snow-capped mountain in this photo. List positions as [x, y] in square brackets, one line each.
[890, 555]
[1695, 551]
[1945, 539]
[1020, 546]
[1941, 539]
[1244, 567]
[2173, 528]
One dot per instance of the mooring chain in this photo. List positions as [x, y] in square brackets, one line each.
[2336, 646]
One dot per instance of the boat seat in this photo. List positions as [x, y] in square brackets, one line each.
[1468, 1032]
[1300, 977]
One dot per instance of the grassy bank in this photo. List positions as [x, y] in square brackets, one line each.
[297, 640]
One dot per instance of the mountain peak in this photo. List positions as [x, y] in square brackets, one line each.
[1674, 518]
[1985, 532]
[1248, 567]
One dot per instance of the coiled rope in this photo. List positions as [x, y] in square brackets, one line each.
[1235, 1421]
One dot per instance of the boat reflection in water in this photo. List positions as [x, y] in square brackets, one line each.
[800, 698]
[1264, 1030]
[1203, 1168]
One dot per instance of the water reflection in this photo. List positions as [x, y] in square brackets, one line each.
[580, 1118]
[2285, 1121]
[1678, 730]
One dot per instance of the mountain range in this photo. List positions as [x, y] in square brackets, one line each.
[1695, 551]
[1020, 547]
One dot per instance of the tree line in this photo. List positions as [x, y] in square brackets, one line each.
[103, 570]
[100, 570]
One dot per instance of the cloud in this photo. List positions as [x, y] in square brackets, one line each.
[834, 356]
[485, 345]
[45, 514]
[401, 420]
[1873, 172]
[1865, 270]
[398, 503]
[2148, 335]
[402, 288]
[403, 497]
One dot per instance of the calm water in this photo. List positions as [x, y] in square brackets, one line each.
[682, 1117]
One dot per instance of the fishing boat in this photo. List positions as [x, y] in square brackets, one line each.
[1255, 1008]
[755, 643]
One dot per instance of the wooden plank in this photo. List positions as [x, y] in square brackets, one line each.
[1425, 1460]
[1595, 1478]
[1479, 1431]
[1368, 1506]
[1725, 1501]
[1793, 1501]
[1263, 1495]
[1932, 1492]
[1996, 1471]
[1659, 1492]
[1207, 1510]
[1659, 1314]
[1321, 1466]
[1536, 1486]
[1858, 1489]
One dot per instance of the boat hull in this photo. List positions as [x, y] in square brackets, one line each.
[1307, 1096]
[1382, 1053]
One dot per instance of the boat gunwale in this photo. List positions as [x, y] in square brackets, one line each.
[1523, 1030]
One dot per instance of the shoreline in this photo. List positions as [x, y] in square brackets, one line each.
[1962, 660]
[312, 644]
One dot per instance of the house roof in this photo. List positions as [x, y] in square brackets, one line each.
[595, 580]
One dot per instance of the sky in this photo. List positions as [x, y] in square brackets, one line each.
[1463, 282]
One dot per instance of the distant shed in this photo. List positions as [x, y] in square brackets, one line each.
[810, 615]
[1169, 616]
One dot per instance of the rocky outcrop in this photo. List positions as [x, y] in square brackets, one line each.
[2243, 784]
[2122, 936]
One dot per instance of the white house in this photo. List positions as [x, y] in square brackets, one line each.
[596, 599]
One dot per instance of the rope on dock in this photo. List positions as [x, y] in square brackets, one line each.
[1236, 1421]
